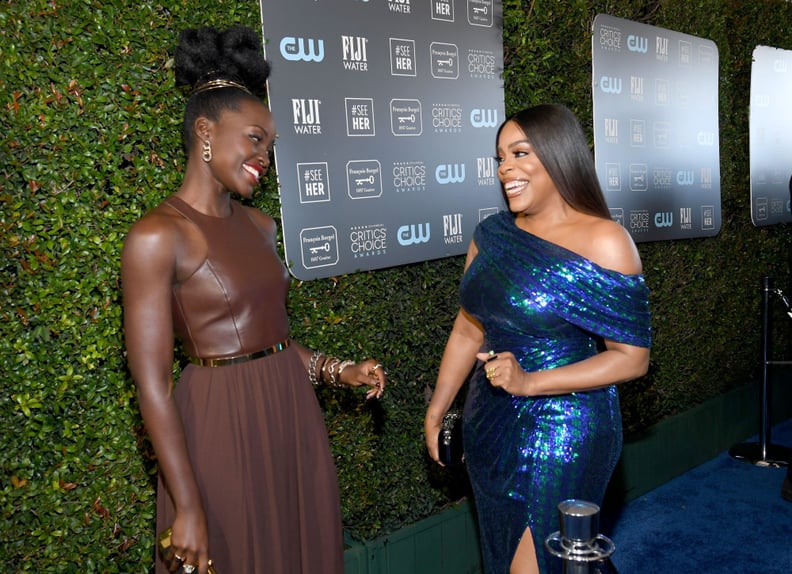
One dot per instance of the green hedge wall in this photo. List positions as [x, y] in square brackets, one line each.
[90, 141]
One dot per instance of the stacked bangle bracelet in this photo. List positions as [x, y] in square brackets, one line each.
[326, 369]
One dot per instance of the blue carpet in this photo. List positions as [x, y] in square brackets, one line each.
[723, 517]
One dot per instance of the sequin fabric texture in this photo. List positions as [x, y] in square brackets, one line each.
[550, 307]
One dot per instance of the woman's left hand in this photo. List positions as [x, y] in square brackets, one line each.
[503, 371]
[369, 373]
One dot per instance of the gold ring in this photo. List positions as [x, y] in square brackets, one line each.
[491, 372]
[178, 558]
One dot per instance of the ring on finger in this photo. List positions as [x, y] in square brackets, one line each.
[188, 568]
[178, 558]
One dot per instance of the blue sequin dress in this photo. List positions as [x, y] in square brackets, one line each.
[550, 307]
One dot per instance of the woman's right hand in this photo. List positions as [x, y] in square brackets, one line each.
[190, 544]
[433, 422]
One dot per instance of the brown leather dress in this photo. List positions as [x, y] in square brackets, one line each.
[255, 432]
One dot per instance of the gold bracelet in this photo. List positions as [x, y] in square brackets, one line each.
[323, 374]
[341, 367]
[312, 364]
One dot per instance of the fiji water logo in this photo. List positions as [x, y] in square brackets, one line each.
[450, 173]
[486, 171]
[484, 118]
[305, 116]
[354, 52]
[685, 218]
[661, 48]
[452, 228]
[305, 49]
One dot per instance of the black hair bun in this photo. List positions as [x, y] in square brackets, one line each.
[233, 54]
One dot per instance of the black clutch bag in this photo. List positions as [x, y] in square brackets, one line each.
[449, 441]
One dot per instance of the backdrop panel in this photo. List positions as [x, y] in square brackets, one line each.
[655, 95]
[386, 113]
[771, 136]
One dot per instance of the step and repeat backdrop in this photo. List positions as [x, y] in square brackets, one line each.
[386, 113]
[771, 136]
[655, 96]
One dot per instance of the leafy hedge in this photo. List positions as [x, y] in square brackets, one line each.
[90, 124]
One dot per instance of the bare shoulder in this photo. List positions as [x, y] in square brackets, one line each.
[158, 228]
[156, 240]
[471, 253]
[610, 246]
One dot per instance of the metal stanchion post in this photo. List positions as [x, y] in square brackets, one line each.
[578, 544]
[764, 453]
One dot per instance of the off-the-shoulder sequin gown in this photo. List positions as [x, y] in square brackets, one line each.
[550, 307]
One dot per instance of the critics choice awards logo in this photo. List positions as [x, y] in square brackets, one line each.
[368, 240]
[447, 118]
[409, 176]
[481, 65]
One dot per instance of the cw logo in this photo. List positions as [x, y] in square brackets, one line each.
[664, 219]
[611, 85]
[296, 49]
[483, 118]
[450, 173]
[637, 44]
[412, 234]
[705, 138]
[685, 177]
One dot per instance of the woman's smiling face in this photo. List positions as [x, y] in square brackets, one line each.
[241, 145]
[526, 183]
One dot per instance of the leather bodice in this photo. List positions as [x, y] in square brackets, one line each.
[235, 302]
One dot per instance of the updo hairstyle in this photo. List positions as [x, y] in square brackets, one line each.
[205, 55]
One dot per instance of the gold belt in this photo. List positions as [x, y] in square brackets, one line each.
[241, 358]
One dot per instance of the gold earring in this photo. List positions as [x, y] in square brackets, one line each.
[206, 151]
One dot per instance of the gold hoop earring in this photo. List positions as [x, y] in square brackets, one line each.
[206, 151]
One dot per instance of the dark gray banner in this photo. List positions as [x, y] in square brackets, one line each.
[386, 113]
[656, 141]
[771, 136]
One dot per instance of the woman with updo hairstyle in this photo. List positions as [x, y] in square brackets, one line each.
[246, 483]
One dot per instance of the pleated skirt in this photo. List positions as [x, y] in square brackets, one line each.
[258, 445]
